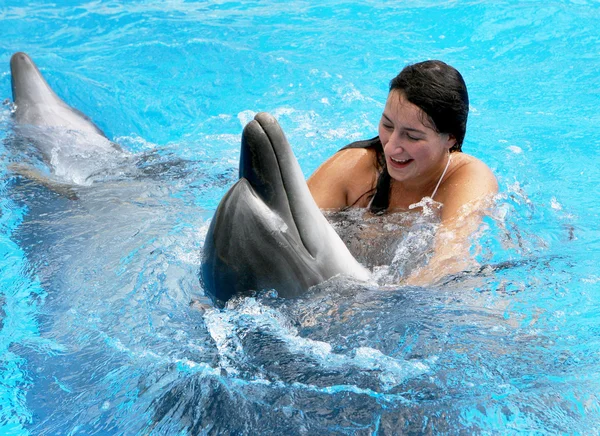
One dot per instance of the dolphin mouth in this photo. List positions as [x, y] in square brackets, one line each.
[274, 174]
[286, 190]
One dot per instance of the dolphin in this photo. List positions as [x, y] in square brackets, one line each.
[70, 143]
[268, 232]
[37, 104]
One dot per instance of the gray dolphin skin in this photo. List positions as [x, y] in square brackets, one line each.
[71, 145]
[37, 104]
[267, 232]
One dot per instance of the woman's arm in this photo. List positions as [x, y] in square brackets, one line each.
[466, 196]
[343, 178]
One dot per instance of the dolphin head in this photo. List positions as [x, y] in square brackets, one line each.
[269, 165]
[267, 231]
[28, 85]
[38, 105]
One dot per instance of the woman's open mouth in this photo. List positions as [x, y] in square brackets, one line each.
[400, 163]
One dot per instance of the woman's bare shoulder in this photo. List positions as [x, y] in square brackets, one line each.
[337, 181]
[470, 168]
[469, 181]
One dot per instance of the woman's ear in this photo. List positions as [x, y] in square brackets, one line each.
[451, 142]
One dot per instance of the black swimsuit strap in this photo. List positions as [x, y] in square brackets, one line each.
[380, 200]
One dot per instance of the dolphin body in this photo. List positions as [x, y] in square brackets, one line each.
[72, 146]
[268, 232]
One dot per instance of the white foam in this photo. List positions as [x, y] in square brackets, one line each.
[222, 327]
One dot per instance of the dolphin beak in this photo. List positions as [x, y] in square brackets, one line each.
[28, 84]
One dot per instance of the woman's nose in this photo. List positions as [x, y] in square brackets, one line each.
[394, 142]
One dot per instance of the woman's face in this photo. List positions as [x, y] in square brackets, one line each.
[415, 153]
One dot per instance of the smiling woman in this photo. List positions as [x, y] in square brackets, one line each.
[417, 155]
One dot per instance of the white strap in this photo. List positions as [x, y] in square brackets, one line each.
[443, 174]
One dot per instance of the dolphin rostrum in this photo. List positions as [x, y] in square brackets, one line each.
[268, 232]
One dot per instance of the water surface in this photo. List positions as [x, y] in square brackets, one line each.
[98, 336]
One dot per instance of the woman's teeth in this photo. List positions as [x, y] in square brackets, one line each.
[399, 161]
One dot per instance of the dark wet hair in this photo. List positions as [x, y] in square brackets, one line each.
[441, 93]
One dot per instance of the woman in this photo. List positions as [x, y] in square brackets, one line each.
[417, 154]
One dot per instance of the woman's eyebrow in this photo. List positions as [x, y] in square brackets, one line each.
[410, 129]
[387, 118]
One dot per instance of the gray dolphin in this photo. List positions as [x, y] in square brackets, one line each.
[267, 232]
[72, 146]
[37, 104]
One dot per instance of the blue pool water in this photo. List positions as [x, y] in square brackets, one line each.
[97, 334]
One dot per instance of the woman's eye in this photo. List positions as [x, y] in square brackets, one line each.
[412, 138]
[387, 126]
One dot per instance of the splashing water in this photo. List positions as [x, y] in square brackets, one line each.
[97, 332]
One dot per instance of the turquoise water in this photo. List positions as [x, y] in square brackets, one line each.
[97, 333]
